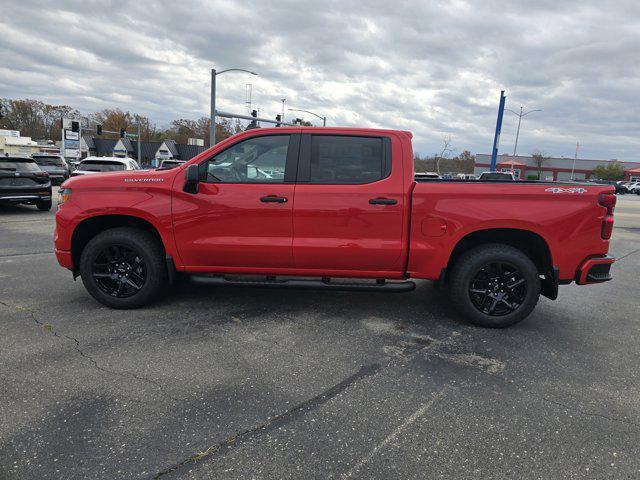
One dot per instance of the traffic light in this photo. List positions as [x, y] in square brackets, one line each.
[123, 133]
[278, 119]
[75, 126]
[98, 129]
[253, 124]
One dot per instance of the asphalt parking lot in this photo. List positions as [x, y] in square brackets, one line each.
[246, 383]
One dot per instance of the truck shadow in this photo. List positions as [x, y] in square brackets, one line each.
[425, 306]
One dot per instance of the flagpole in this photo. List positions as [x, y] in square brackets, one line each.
[575, 157]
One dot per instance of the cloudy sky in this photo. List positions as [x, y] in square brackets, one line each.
[433, 67]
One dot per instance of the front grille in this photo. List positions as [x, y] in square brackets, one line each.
[17, 182]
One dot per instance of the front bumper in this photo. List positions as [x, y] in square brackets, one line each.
[595, 270]
[64, 258]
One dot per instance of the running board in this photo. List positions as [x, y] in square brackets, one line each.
[324, 284]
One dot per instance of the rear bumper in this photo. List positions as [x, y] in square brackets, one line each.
[595, 270]
[25, 198]
[64, 258]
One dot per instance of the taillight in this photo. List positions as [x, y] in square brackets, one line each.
[607, 227]
[41, 174]
[607, 200]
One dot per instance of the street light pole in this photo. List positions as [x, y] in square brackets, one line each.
[520, 115]
[575, 157]
[139, 144]
[212, 125]
[324, 119]
[214, 74]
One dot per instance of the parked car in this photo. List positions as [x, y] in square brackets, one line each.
[104, 164]
[466, 176]
[171, 163]
[620, 187]
[634, 187]
[22, 181]
[347, 206]
[55, 165]
[73, 163]
[497, 176]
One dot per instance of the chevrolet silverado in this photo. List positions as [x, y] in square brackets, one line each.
[333, 208]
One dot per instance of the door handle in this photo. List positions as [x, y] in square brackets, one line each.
[383, 201]
[273, 199]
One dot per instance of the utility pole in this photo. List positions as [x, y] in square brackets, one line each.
[520, 115]
[283, 100]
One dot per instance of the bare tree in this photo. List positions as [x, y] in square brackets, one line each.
[447, 148]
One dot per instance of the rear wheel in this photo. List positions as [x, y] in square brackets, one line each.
[44, 206]
[123, 268]
[495, 285]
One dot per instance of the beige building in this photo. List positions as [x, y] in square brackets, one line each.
[11, 143]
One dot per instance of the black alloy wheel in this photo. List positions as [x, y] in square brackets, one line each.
[119, 271]
[498, 289]
[494, 285]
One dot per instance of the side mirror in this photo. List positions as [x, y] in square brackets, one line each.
[192, 178]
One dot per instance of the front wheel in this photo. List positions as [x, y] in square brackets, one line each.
[123, 268]
[495, 285]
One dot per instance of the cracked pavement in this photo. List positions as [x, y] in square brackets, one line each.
[248, 383]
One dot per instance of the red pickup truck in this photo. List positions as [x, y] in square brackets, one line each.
[276, 206]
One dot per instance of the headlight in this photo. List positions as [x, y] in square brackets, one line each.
[64, 194]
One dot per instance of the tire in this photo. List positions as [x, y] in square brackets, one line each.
[44, 206]
[476, 271]
[123, 254]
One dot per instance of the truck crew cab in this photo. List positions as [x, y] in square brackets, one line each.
[332, 204]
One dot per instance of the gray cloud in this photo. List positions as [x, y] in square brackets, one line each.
[435, 68]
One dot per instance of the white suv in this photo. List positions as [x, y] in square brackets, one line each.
[105, 164]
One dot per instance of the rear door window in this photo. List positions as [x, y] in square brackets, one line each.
[337, 159]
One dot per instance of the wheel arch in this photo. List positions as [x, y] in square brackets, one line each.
[92, 226]
[528, 242]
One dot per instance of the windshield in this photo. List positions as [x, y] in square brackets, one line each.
[101, 166]
[50, 161]
[18, 165]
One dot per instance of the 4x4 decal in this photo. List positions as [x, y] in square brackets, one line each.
[566, 190]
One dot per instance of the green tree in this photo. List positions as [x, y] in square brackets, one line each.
[610, 171]
[539, 159]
